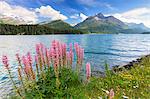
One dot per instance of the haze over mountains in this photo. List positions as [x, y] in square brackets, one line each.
[93, 24]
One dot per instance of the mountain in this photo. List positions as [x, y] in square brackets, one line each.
[93, 24]
[53, 27]
[9, 20]
[58, 24]
[138, 26]
[101, 23]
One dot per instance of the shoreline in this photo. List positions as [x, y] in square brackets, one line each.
[129, 65]
[118, 68]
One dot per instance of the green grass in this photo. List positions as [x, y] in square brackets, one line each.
[133, 83]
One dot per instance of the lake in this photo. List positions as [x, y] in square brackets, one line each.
[115, 49]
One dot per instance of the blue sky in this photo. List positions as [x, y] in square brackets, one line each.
[74, 11]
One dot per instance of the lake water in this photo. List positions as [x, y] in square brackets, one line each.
[115, 49]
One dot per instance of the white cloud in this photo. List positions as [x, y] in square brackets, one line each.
[49, 12]
[138, 15]
[79, 16]
[83, 16]
[19, 13]
[75, 16]
[73, 24]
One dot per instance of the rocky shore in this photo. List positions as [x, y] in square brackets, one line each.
[130, 64]
[118, 68]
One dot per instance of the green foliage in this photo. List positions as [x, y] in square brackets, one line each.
[6, 29]
[58, 24]
[70, 86]
[133, 83]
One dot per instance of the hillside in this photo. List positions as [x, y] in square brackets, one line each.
[108, 24]
[53, 27]
[7, 29]
[100, 23]
[58, 24]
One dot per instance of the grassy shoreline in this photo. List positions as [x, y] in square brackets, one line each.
[133, 82]
[130, 83]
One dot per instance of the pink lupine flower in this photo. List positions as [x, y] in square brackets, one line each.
[51, 52]
[54, 57]
[54, 44]
[79, 54]
[19, 73]
[38, 49]
[5, 62]
[71, 54]
[46, 53]
[64, 54]
[68, 56]
[24, 60]
[18, 58]
[64, 49]
[42, 47]
[26, 64]
[88, 71]
[60, 50]
[29, 58]
[76, 46]
[70, 46]
[111, 94]
[36, 59]
[71, 57]
[61, 54]
[82, 54]
[47, 57]
[57, 57]
[37, 63]
[68, 59]
[42, 53]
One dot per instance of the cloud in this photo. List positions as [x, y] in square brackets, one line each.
[75, 16]
[80, 16]
[138, 15]
[83, 16]
[21, 14]
[95, 3]
[49, 12]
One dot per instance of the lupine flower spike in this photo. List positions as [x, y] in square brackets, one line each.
[58, 56]
[6, 64]
[88, 71]
[111, 94]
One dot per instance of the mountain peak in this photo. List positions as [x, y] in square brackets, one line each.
[100, 15]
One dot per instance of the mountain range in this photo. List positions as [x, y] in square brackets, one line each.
[110, 24]
[93, 24]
